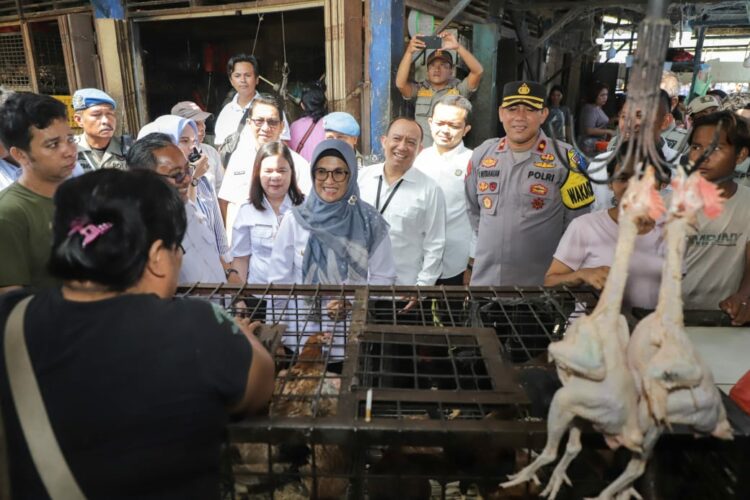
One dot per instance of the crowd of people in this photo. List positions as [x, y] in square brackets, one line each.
[102, 231]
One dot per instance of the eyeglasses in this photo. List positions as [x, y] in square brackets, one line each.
[272, 122]
[183, 249]
[179, 177]
[338, 175]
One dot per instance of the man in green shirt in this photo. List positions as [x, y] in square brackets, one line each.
[35, 130]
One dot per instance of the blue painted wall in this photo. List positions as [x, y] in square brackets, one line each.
[387, 35]
[108, 9]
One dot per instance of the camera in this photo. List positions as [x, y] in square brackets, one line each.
[194, 155]
[431, 41]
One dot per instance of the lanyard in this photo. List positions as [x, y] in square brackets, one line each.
[387, 200]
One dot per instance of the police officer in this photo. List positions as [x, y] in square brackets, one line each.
[97, 146]
[344, 127]
[440, 80]
[521, 194]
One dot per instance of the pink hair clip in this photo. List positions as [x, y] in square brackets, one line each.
[90, 232]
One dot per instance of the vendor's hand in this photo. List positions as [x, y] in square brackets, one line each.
[449, 40]
[200, 166]
[247, 325]
[411, 304]
[736, 306]
[415, 45]
[594, 276]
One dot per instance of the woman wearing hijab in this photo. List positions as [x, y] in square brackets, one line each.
[333, 238]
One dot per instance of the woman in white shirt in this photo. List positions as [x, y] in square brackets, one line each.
[332, 238]
[273, 191]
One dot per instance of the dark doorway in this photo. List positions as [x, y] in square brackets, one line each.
[186, 59]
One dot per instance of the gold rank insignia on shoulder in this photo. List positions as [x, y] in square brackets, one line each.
[489, 162]
[547, 157]
[524, 89]
[424, 93]
[487, 202]
[453, 92]
[541, 146]
[544, 164]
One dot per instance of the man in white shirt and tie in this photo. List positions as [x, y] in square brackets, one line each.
[412, 204]
[446, 162]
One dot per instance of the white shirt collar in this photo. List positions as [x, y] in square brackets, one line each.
[449, 155]
[237, 107]
[409, 176]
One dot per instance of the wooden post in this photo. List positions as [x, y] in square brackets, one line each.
[386, 34]
[343, 42]
[28, 48]
[484, 115]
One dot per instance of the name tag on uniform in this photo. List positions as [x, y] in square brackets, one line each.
[239, 172]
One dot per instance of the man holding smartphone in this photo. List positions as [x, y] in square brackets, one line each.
[440, 76]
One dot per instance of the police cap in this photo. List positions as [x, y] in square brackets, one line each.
[523, 92]
[85, 98]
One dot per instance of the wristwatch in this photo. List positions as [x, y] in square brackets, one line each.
[231, 270]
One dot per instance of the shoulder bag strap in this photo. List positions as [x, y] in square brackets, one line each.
[228, 154]
[304, 137]
[37, 430]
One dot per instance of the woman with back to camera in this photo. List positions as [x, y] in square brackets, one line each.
[273, 192]
[138, 386]
[307, 132]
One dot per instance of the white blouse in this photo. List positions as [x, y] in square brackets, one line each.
[289, 251]
[304, 317]
[253, 233]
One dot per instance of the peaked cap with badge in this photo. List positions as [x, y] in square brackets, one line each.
[520, 202]
[524, 92]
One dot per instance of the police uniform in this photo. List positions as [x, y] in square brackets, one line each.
[426, 95]
[520, 209]
[113, 156]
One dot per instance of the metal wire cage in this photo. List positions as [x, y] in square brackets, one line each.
[392, 387]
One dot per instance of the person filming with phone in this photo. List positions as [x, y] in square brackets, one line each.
[441, 79]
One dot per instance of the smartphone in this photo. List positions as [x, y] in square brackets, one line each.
[431, 41]
[194, 155]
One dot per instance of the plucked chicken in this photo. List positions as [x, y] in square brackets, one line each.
[591, 362]
[675, 385]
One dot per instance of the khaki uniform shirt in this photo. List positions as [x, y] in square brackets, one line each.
[520, 210]
[426, 96]
[112, 158]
